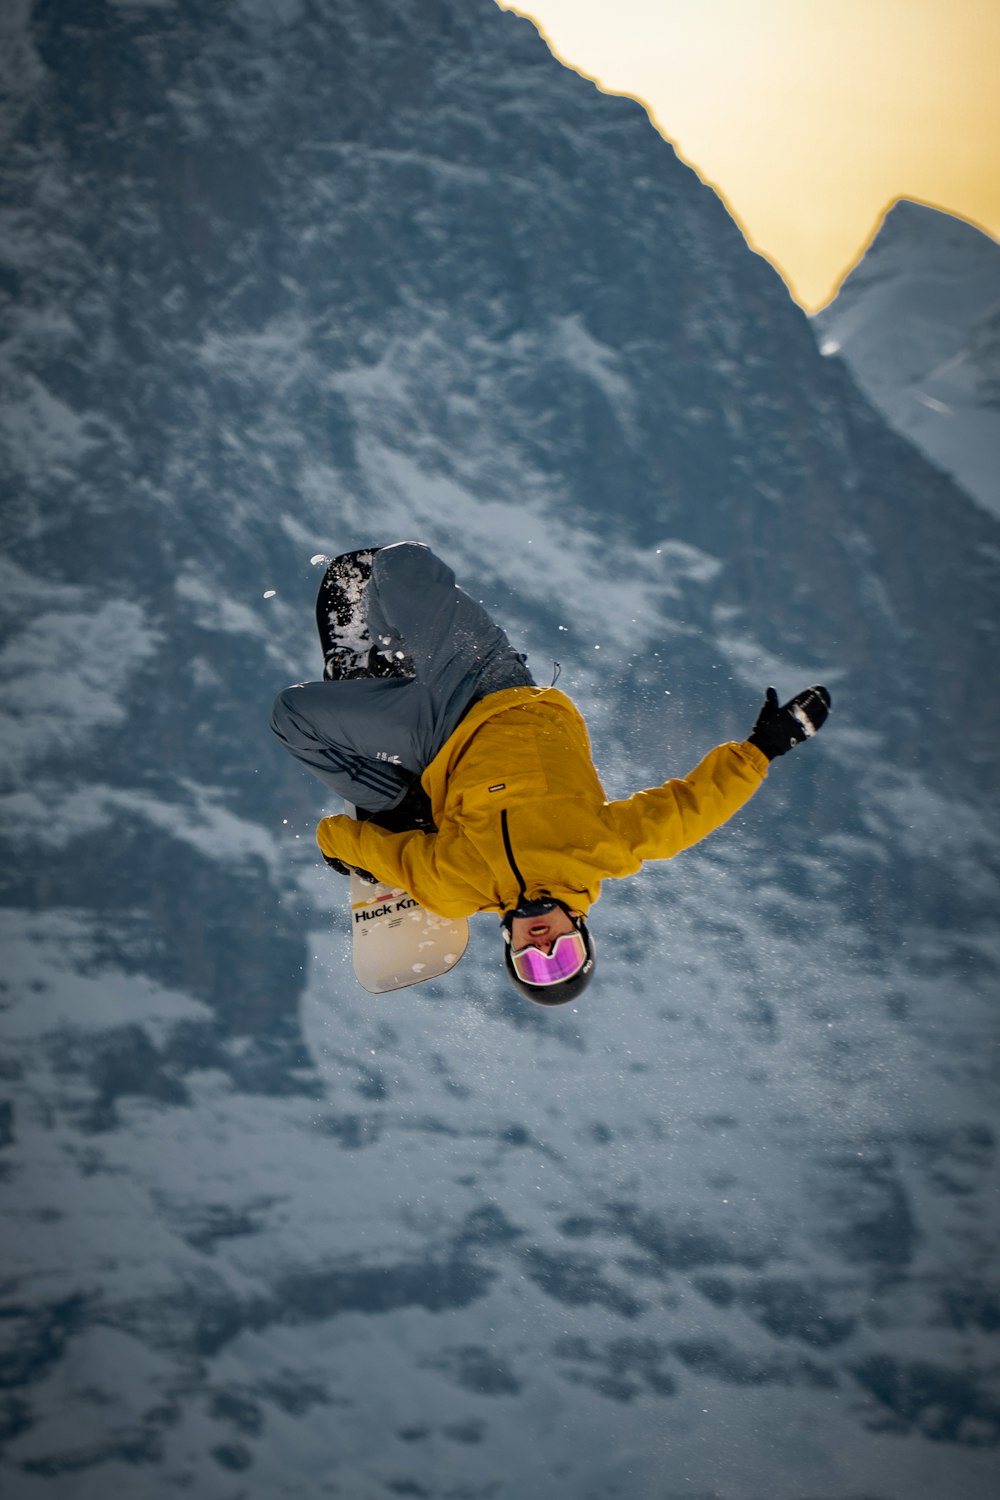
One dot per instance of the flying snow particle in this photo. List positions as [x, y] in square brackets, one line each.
[317, 558]
[830, 346]
[270, 593]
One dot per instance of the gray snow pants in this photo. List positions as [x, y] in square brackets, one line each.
[367, 738]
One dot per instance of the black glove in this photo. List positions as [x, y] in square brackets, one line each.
[413, 814]
[779, 729]
[342, 869]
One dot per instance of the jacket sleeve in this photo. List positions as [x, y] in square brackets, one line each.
[352, 841]
[403, 859]
[659, 823]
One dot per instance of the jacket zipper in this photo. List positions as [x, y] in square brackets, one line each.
[508, 849]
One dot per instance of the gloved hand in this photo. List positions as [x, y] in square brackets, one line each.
[342, 869]
[780, 728]
[413, 814]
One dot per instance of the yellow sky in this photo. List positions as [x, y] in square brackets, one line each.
[810, 117]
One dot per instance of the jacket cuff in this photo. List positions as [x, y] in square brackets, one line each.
[323, 831]
[756, 757]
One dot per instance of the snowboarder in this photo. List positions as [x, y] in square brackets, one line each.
[475, 788]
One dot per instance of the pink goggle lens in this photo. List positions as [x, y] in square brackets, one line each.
[568, 956]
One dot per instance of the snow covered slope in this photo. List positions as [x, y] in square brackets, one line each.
[918, 324]
[282, 279]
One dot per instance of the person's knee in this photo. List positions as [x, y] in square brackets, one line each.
[283, 709]
[407, 566]
[298, 709]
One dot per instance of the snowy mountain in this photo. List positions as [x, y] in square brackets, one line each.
[285, 278]
[918, 324]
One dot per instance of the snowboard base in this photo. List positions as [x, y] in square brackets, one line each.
[342, 622]
[397, 942]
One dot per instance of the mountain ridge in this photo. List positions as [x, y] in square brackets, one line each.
[916, 323]
[287, 280]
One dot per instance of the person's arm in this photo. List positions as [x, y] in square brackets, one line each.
[407, 860]
[660, 822]
[352, 841]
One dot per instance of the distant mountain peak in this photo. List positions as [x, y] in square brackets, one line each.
[916, 321]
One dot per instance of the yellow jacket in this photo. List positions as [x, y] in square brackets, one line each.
[514, 793]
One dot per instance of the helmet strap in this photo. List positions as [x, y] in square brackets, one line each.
[539, 908]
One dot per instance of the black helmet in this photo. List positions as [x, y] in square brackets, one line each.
[572, 969]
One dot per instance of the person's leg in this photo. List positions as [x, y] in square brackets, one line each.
[363, 738]
[458, 653]
[370, 737]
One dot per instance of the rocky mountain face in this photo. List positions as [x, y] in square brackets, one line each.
[917, 322]
[292, 276]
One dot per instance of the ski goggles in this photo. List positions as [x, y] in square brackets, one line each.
[568, 956]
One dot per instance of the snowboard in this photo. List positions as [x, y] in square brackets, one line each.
[342, 622]
[395, 942]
